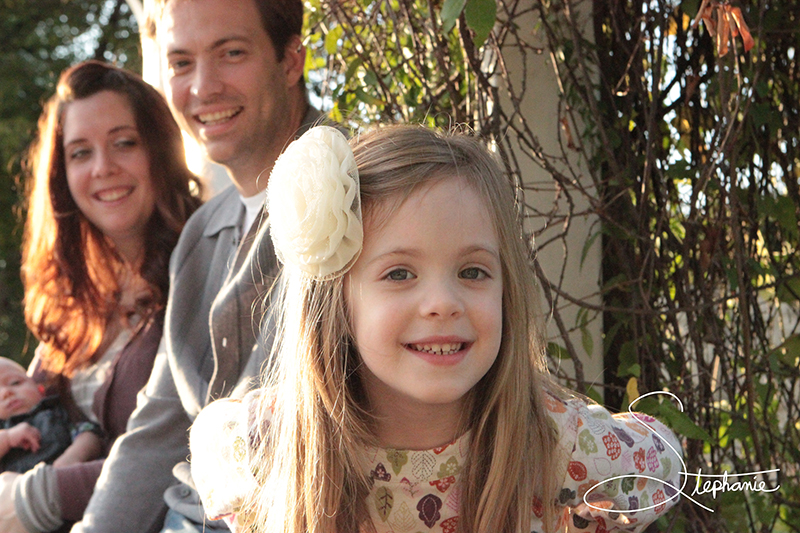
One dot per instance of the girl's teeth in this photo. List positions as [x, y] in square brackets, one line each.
[438, 349]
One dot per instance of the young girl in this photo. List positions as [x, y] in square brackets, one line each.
[410, 389]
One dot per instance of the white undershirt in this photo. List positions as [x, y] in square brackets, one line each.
[252, 208]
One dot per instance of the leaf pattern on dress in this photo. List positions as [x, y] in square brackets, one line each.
[429, 507]
[422, 465]
[380, 473]
[443, 484]
[419, 491]
[397, 458]
[587, 443]
[450, 468]
[403, 519]
[613, 449]
[409, 487]
[576, 470]
[384, 500]
[450, 525]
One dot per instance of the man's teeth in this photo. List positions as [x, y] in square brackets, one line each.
[439, 349]
[112, 195]
[208, 118]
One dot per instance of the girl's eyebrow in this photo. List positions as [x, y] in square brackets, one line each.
[414, 253]
[113, 130]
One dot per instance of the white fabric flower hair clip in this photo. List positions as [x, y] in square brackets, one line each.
[314, 205]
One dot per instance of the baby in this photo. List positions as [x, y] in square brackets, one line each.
[36, 428]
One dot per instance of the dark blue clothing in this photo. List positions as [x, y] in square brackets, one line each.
[52, 421]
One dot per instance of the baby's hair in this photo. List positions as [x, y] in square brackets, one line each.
[13, 364]
[309, 460]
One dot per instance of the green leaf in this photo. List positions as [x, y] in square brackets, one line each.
[681, 423]
[450, 13]
[592, 393]
[587, 245]
[556, 351]
[588, 342]
[789, 290]
[789, 351]
[785, 215]
[628, 361]
[481, 16]
[366, 97]
[352, 68]
[332, 39]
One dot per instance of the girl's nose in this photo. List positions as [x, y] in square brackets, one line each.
[441, 300]
[205, 82]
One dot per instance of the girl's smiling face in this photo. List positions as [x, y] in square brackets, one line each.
[108, 169]
[425, 298]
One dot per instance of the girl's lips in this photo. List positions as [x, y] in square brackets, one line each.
[440, 353]
[446, 348]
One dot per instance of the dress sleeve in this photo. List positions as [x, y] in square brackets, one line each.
[623, 473]
[221, 441]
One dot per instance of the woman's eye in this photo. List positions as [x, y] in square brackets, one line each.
[125, 143]
[399, 274]
[473, 273]
[79, 153]
[236, 53]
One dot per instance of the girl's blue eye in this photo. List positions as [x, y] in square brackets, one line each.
[472, 273]
[399, 274]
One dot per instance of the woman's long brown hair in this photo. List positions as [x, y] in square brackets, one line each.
[70, 270]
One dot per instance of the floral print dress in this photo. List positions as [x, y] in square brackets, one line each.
[620, 472]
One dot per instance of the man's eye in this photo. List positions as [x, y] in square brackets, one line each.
[400, 274]
[179, 65]
[473, 273]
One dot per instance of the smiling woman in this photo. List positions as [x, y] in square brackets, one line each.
[108, 170]
[108, 195]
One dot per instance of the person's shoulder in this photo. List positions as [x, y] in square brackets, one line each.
[219, 212]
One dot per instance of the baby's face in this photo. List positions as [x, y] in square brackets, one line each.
[18, 392]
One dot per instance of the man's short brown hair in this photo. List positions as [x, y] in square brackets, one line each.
[281, 19]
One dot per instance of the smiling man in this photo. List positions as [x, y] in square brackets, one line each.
[235, 83]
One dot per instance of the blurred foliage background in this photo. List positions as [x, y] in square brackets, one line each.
[678, 142]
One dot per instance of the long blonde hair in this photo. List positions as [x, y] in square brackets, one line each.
[308, 463]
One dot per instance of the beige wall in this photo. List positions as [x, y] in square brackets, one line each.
[560, 245]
